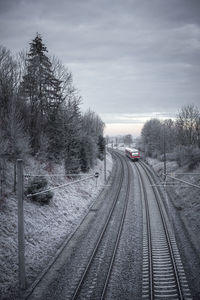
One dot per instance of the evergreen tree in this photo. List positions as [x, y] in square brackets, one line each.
[55, 136]
[101, 146]
[88, 152]
[40, 90]
[72, 132]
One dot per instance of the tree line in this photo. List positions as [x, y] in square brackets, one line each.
[40, 112]
[179, 138]
[120, 140]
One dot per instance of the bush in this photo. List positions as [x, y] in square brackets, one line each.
[187, 155]
[39, 184]
[181, 155]
[101, 156]
[194, 158]
[171, 156]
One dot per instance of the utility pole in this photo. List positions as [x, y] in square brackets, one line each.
[164, 150]
[21, 247]
[15, 176]
[105, 165]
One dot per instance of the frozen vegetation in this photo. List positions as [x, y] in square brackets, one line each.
[41, 121]
[46, 226]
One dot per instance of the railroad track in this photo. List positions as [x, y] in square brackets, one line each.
[94, 280]
[163, 273]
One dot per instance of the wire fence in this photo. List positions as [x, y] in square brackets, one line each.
[179, 183]
[54, 175]
[183, 181]
[59, 186]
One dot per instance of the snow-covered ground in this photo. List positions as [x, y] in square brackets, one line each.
[47, 226]
[186, 198]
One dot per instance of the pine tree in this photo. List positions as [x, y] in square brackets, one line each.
[55, 136]
[40, 90]
[101, 146]
[88, 152]
[72, 137]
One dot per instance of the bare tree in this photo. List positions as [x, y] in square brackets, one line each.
[169, 134]
[92, 143]
[64, 76]
[13, 140]
[152, 137]
[8, 80]
[128, 139]
[187, 125]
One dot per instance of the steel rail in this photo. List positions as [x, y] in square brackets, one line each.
[173, 261]
[78, 288]
[150, 262]
[119, 233]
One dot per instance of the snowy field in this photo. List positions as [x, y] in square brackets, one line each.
[186, 199]
[47, 226]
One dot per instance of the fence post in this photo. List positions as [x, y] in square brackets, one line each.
[21, 247]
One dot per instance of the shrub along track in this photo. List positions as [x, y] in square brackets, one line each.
[163, 273]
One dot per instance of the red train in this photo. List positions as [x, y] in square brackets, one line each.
[133, 154]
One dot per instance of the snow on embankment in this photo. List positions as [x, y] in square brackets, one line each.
[185, 198]
[46, 226]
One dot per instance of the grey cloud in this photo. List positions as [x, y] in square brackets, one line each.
[8, 5]
[126, 56]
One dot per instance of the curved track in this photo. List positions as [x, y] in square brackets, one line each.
[107, 243]
[163, 273]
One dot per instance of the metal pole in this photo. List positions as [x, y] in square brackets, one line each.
[1, 180]
[164, 146]
[105, 165]
[21, 247]
[15, 177]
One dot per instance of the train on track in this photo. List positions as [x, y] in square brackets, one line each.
[132, 153]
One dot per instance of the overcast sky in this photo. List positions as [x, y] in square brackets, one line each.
[131, 59]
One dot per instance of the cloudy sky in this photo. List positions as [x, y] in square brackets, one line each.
[131, 59]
